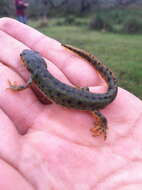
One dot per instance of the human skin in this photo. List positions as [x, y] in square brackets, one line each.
[51, 147]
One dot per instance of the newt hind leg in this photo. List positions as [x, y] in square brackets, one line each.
[100, 124]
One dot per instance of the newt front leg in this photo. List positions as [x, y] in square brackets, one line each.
[100, 124]
[16, 87]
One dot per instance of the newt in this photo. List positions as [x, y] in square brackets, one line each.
[68, 96]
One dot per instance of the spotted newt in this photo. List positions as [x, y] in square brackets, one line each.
[68, 96]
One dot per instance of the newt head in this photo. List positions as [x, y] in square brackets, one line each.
[32, 60]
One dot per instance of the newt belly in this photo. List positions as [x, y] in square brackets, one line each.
[63, 94]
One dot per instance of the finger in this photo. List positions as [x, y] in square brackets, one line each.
[11, 178]
[9, 138]
[21, 107]
[9, 55]
[73, 66]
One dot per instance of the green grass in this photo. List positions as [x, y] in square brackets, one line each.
[118, 20]
[121, 52]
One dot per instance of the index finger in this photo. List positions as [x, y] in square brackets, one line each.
[71, 65]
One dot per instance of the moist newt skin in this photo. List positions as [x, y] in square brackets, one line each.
[70, 97]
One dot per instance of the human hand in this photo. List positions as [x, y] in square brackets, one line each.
[51, 147]
[26, 4]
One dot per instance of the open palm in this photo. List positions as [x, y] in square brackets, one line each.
[51, 147]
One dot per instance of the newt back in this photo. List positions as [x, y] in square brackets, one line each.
[64, 94]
